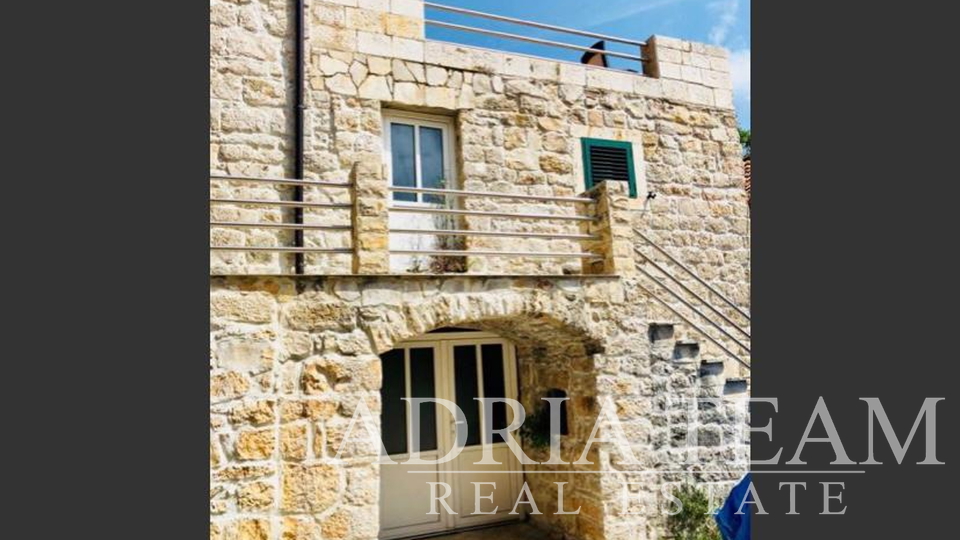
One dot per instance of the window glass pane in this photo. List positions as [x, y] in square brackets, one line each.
[393, 416]
[494, 385]
[422, 386]
[404, 163]
[465, 376]
[431, 162]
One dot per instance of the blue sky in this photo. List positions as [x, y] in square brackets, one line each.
[721, 22]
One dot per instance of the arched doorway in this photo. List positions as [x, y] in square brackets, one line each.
[457, 365]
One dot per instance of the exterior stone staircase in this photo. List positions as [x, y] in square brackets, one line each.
[716, 377]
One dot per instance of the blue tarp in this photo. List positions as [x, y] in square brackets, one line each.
[734, 526]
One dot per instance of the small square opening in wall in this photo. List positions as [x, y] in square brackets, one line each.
[605, 160]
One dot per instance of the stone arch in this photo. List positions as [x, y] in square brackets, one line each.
[556, 347]
[495, 311]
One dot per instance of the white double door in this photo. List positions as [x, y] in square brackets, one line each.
[459, 367]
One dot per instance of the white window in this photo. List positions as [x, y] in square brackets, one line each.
[418, 152]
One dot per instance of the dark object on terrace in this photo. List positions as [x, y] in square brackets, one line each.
[595, 58]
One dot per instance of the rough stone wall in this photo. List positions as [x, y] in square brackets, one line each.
[568, 366]
[519, 123]
[291, 361]
[251, 126]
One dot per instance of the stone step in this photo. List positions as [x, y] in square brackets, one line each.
[736, 385]
[710, 368]
[660, 331]
[686, 349]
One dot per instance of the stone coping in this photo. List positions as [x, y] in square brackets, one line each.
[420, 276]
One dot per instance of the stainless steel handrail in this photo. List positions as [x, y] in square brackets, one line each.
[504, 234]
[693, 325]
[278, 225]
[293, 204]
[692, 293]
[694, 309]
[538, 41]
[543, 26]
[469, 253]
[282, 249]
[267, 225]
[284, 181]
[449, 211]
[692, 274]
[492, 194]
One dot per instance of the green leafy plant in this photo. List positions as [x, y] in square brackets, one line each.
[745, 139]
[536, 428]
[694, 521]
[448, 264]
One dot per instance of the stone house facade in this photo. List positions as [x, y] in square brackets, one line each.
[548, 285]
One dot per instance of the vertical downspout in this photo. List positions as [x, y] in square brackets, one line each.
[298, 137]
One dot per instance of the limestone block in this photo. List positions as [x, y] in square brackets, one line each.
[227, 386]
[308, 488]
[408, 49]
[610, 80]
[516, 65]
[691, 74]
[249, 529]
[409, 93]
[253, 412]
[402, 26]
[378, 66]
[341, 84]
[374, 43]
[436, 76]
[377, 5]
[669, 42]
[255, 497]
[409, 8]
[358, 72]
[300, 529]
[545, 70]
[337, 526]
[720, 64]
[330, 14]
[293, 442]
[716, 79]
[442, 97]
[723, 98]
[255, 445]
[364, 19]
[572, 74]
[252, 307]
[253, 356]
[375, 87]
[335, 39]
[669, 70]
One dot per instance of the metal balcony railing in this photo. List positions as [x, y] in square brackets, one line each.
[508, 216]
[639, 45]
[263, 208]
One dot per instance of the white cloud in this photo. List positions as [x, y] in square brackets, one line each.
[609, 14]
[726, 11]
[740, 73]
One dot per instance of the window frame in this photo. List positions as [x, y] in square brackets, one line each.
[418, 120]
[586, 143]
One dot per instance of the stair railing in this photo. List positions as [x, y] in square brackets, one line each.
[726, 325]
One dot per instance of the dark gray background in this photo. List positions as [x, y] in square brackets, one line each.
[105, 260]
[854, 242]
